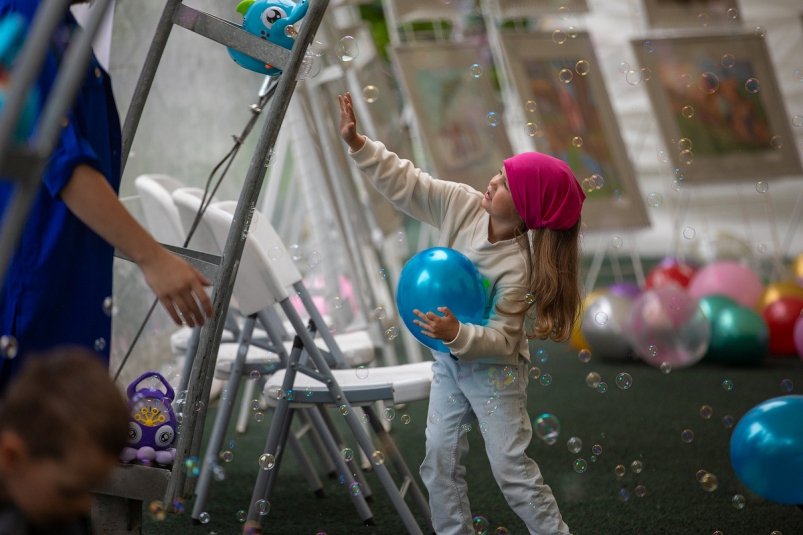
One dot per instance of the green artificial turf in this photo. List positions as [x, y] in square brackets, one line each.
[641, 423]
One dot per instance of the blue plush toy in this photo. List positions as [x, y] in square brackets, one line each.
[153, 423]
[271, 20]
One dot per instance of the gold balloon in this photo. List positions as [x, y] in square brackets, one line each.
[577, 340]
[775, 291]
[797, 266]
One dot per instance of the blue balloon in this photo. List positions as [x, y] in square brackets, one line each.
[767, 449]
[440, 277]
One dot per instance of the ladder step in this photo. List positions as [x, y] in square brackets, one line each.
[207, 264]
[229, 34]
[21, 165]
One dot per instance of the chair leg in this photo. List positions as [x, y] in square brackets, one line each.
[245, 407]
[225, 407]
[352, 464]
[317, 443]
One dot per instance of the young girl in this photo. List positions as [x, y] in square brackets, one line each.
[522, 235]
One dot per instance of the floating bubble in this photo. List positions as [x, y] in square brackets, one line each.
[636, 466]
[582, 67]
[109, 308]
[157, 510]
[267, 461]
[601, 318]
[392, 333]
[493, 119]
[687, 436]
[596, 449]
[684, 143]
[624, 381]
[593, 379]
[665, 368]
[577, 141]
[361, 372]
[687, 111]
[502, 530]
[546, 379]
[226, 456]
[706, 412]
[727, 385]
[703, 19]
[465, 428]
[370, 93]
[655, 200]
[198, 407]
[262, 507]
[347, 454]
[708, 83]
[760, 31]
[602, 387]
[476, 70]
[379, 313]
[616, 243]
[728, 421]
[633, 77]
[531, 129]
[255, 406]
[662, 156]
[481, 525]
[254, 375]
[584, 356]
[435, 417]
[542, 355]
[738, 501]
[241, 516]
[571, 32]
[776, 142]
[406, 419]
[530, 106]
[100, 344]
[575, 444]
[204, 518]
[558, 37]
[728, 61]
[218, 472]
[752, 85]
[709, 482]
[624, 67]
[347, 49]
[624, 494]
[389, 414]
[580, 465]
[344, 409]
[689, 233]
[620, 470]
[797, 121]
[787, 385]
[648, 46]
[640, 491]
[355, 489]
[547, 427]
[535, 372]
[733, 13]
[565, 76]
[8, 346]
[686, 157]
[178, 505]
[378, 458]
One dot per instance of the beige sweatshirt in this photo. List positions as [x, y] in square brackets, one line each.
[456, 211]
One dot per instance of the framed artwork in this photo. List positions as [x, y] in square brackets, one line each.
[691, 13]
[567, 113]
[457, 111]
[528, 8]
[718, 106]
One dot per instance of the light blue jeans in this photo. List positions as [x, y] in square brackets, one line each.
[495, 396]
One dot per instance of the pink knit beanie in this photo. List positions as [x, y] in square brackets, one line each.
[545, 192]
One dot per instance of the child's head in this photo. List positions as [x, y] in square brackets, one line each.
[63, 424]
[549, 200]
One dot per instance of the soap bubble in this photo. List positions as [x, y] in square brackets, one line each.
[348, 454]
[752, 85]
[776, 142]
[582, 67]
[593, 379]
[601, 318]
[546, 379]
[530, 106]
[347, 49]
[633, 77]
[620, 470]
[392, 333]
[565, 76]
[687, 111]
[602, 387]
[157, 510]
[580, 465]
[709, 482]
[361, 372]
[370, 93]
[406, 419]
[727, 385]
[640, 491]
[355, 489]
[624, 67]
[689, 233]
[378, 458]
[684, 143]
[584, 356]
[738, 501]
[262, 507]
[204, 518]
[577, 141]
[687, 436]
[596, 449]
[481, 525]
[728, 61]
[493, 119]
[535, 372]
[636, 466]
[575, 444]
[558, 37]
[8, 346]
[787, 385]
[390, 413]
[706, 412]
[624, 381]
[226, 456]
[267, 461]
[708, 83]
[476, 70]
[100, 344]
[727, 421]
[547, 427]
[109, 308]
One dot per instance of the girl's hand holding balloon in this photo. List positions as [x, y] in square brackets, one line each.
[443, 327]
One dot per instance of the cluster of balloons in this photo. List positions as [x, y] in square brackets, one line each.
[720, 312]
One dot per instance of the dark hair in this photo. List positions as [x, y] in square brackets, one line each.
[61, 397]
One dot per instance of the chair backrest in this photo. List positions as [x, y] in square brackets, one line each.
[266, 271]
[188, 201]
[161, 215]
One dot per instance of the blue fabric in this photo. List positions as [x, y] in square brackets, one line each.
[61, 272]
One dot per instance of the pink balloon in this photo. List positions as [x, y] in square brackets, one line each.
[667, 326]
[728, 278]
[798, 336]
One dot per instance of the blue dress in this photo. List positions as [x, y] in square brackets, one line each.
[61, 273]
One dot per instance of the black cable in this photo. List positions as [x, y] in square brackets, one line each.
[206, 199]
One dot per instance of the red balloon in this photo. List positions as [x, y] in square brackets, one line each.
[781, 316]
[669, 273]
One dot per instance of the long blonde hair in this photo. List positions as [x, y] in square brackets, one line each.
[553, 304]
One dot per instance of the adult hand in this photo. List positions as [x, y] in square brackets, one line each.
[443, 327]
[348, 124]
[179, 287]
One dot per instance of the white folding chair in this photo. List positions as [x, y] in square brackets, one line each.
[161, 215]
[273, 276]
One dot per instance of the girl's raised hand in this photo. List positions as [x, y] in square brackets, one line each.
[348, 124]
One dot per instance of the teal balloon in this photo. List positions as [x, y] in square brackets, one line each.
[440, 277]
[712, 305]
[766, 449]
[739, 335]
